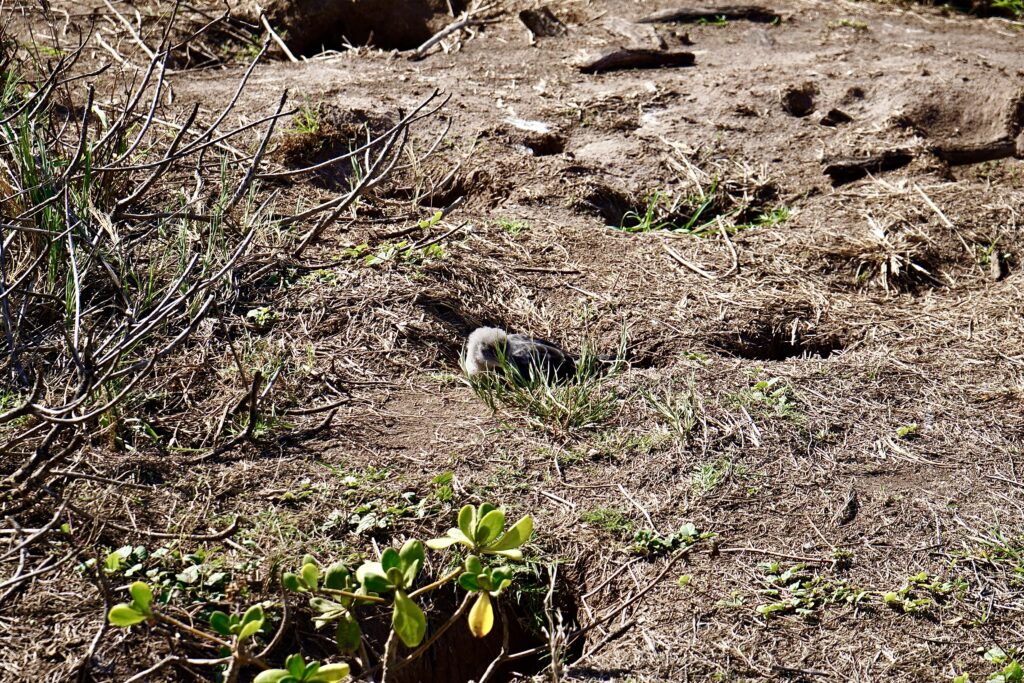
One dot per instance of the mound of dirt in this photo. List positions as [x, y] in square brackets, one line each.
[309, 26]
[966, 113]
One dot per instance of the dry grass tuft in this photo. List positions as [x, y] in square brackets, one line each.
[894, 257]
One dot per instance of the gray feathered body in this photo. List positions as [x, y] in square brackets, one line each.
[488, 345]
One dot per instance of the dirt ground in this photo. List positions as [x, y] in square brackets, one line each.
[853, 354]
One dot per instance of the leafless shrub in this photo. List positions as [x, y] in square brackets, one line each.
[124, 224]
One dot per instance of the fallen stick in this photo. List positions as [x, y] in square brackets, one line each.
[693, 15]
[965, 154]
[848, 169]
[686, 264]
[273, 34]
[635, 58]
[469, 18]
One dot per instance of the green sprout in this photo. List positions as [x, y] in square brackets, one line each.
[480, 529]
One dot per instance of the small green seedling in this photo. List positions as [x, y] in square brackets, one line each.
[298, 671]
[480, 529]
[241, 628]
[907, 431]
[427, 223]
[136, 611]
[651, 544]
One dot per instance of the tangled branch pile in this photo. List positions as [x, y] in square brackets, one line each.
[126, 225]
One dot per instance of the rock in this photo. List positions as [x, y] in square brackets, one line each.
[835, 117]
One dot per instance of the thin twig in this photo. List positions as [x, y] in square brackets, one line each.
[273, 34]
[468, 18]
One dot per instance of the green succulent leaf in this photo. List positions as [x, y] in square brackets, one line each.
[291, 582]
[348, 634]
[328, 611]
[329, 673]
[372, 578]
[488, 528]
[395, 577]
[125, 615]
[325, 606]
[468, 582]
[272, 676]
[311, 575]
[481, 616]
[411, 556]
[516, 555]
[296, 665]
[220, 623]
[443, 542]
[249, 629]
[467, 521]
[116, 560]
[142, 596]
[513, 538]
[473, 565]
[337, 577]
[390, 559]
[408, 620]
[254, 613]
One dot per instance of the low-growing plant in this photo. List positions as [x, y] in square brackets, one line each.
[195, 577]
[922, 591]
[707, 477]
[765, 219]
[402, 251]
[650, 543]
[772, 394]
[908, 431]
[680, 410]
[511, 227]
[1009, 671]
[683, 214]
[610, 519]
[796, 590]
[337, 594]
[306, 120]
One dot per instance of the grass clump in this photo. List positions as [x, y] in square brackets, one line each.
[679, 410]
[612, 520]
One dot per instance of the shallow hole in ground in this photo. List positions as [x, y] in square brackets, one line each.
[310, 26]
[775, 344]
[608, 203]
[458, 656]
[321, 132]
[448, 326]
[740, 203]
[544, 144]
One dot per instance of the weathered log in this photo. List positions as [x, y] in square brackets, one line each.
[693, 15]
[959, 154]
[635, 58]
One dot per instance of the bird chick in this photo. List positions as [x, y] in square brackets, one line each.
[488, 347]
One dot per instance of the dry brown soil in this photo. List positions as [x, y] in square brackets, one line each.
[887, 311]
